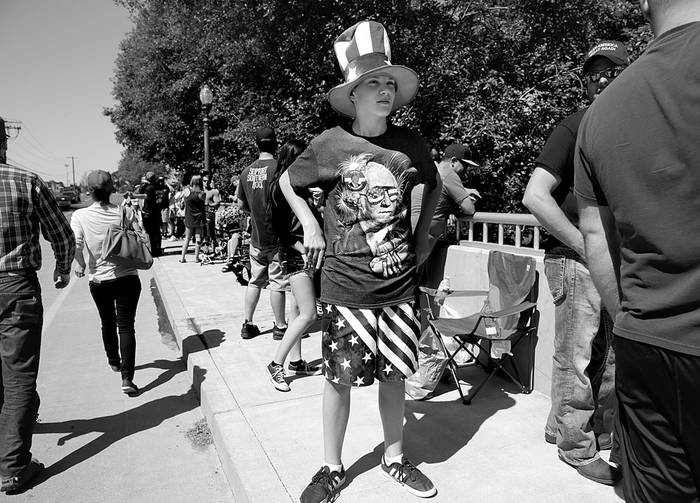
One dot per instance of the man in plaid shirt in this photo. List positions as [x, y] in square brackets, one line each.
[27, 206]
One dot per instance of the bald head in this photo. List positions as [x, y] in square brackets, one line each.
[665, 15]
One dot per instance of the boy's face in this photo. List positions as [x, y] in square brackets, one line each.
[374, 96]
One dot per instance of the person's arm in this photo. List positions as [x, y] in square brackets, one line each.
[57, 231]
[460, 195]
[242, 201]
[77, 228]
[314, 241]
[602, 251]
[538, 199]
[431, 196]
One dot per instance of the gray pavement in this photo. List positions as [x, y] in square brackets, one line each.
[270, 442]
[99, 445]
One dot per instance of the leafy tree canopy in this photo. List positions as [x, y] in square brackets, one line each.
[497, 74]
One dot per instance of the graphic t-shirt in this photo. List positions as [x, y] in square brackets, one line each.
[557, 157]
[369, 258]
[638, 153]
[253, 189]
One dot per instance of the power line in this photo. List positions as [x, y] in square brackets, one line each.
[12, 161]
[38, 144]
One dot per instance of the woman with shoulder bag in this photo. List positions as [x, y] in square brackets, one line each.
[115, 288]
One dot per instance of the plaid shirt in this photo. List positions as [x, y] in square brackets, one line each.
[27, 204]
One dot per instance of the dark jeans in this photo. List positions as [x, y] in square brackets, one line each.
[21, 318]
[116, 301]
[210, 229]
[151, 224]
[659, 423]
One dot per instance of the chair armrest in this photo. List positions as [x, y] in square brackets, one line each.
[457, 293]
[510, 310]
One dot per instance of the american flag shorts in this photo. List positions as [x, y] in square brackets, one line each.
[360, 345]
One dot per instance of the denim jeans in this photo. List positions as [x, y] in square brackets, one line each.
[21, 318]
[583, 371]
[116, 301]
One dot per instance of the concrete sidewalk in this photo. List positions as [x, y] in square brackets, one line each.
[270, 443]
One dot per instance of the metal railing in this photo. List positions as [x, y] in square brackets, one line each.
[522, 229]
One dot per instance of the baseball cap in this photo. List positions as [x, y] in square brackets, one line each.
[264, 134]
[460, 152]
[100, 180]
[611, 49]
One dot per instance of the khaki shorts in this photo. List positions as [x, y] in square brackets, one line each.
[265, 269]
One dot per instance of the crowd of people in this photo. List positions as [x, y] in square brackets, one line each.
[353, 217]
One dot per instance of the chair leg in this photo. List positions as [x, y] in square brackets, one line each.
[475, 391]
[451, 365]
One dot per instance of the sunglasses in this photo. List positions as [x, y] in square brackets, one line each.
[609, 73]
[376, 195]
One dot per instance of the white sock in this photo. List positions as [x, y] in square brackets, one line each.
[333, 468]
[390, 460]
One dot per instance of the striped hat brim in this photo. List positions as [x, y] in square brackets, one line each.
[406, 82]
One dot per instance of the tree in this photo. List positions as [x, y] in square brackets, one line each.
[498, 74]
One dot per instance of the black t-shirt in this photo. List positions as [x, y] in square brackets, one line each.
[285, 223]
[253, 189]
[557, 157]
[638, 153]
[370, 260]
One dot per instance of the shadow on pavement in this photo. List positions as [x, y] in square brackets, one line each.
[434, 431]
[171, 369]
[115, 427]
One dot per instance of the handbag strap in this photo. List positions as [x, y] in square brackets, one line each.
[123, 220]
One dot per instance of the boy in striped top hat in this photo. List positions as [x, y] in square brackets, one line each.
[367, 253]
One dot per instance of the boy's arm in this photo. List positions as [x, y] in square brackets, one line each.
[428, 205]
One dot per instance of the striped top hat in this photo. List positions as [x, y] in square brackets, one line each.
[363, 50]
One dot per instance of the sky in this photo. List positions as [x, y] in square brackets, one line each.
[56, 68]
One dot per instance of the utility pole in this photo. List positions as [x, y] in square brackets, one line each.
[72, 161]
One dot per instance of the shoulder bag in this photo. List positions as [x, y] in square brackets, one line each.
[124, 246]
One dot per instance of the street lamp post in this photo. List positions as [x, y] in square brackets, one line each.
[206, 97]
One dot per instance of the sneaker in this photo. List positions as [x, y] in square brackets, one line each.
[278, 333]
[599, 471]
[15, 484]
[249, 330]
[228, 266]
[277, 376]
[323, 486]
[303, 368]
[128, 387]
[410, 477]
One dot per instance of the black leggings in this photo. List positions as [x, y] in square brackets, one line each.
[116, 301]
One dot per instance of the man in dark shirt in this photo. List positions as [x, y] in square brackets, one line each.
[27, 206]
[151, 213]
[637, 181]
[583, 400]
[265, 267]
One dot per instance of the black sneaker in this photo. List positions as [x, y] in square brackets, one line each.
[323, 486]
[303, 368]
[410, 477]
[278, 333]
[249, 330]
[128, 387]
[228, 266]
[277, 376]
[15, 484]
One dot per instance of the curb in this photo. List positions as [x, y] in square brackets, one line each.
[249, 472]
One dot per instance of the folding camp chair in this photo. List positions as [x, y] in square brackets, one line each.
[509, 316]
